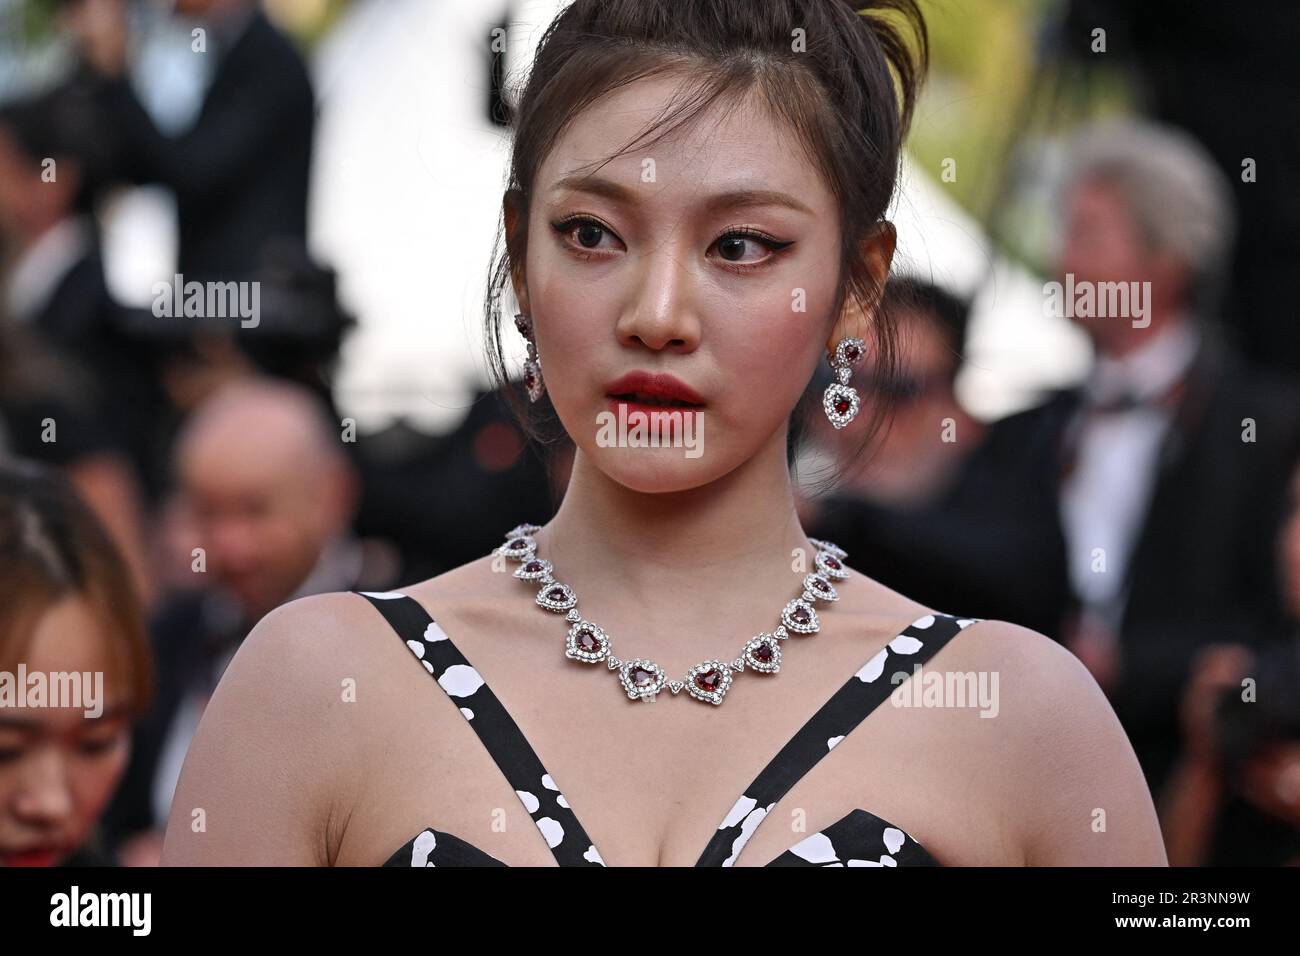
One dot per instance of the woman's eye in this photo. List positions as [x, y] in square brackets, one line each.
[8, 754]
[583, 233]
[94, 748]
[748, 248]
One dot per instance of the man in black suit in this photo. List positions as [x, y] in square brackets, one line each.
[1161, 480]
[240, 173]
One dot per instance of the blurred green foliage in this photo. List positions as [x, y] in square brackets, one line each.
[990, 90]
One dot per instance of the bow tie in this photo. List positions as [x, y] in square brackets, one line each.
[1108, 401]
[1122, 401]
[1114, 402]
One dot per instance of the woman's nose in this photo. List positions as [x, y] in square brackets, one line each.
[44, 795]
[661, 314]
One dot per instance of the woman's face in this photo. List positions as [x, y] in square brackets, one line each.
[712, 256]
[59, 767]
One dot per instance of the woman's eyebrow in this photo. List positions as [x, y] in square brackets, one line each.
[732, 199]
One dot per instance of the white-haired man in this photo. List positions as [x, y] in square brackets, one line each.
[1161, 478]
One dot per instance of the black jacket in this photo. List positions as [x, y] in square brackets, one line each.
[240, 173]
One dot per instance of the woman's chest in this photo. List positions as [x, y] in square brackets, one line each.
[643, 794]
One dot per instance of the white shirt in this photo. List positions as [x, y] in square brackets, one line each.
[1104, 500]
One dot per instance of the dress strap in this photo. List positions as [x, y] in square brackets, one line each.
[848, 707]
[504, 741]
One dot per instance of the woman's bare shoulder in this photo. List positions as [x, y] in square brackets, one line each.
[331, 621]
[985, 643]
[305, 637]
[317, 623]
[283, 743]
[271, 752]
[1068, 787]
[1073, 787]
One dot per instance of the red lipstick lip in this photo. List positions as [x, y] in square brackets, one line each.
[35, 856]
[655, 384]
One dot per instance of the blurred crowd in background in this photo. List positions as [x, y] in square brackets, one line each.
[165, 481]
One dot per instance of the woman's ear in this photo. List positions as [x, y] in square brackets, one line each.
[877, 252]
[516, 223]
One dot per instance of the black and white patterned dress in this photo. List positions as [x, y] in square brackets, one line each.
[860, 838]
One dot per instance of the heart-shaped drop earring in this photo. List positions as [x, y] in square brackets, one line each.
[840, 401]
[533, 365]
